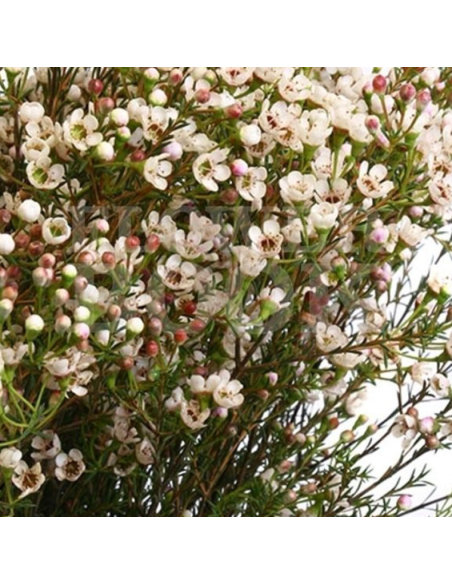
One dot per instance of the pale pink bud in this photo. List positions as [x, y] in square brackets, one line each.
[380, 235]
[272, 378]
[174, 151]
[239, 167]
[39, 277]
[155, 326]
[221, 413]
[81, 330]
[427, 425]
[416, 212]
[423, 99]
[373, 124]
[405, 502]
[61, 296]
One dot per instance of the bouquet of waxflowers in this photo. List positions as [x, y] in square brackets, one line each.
[206, 273]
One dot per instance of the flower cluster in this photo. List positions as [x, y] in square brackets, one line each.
[198, 265]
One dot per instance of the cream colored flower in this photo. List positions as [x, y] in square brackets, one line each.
[69, 467]
[176, 274]
[208, 169]
[371, 182]
[26, 479]
[268, 240]
[44, 175]
[56, 230]
[80, 130]
[329, 338]
[236, 76]
[48, 445]
[251, 262]
[252, 187]
[297, 187]
[192, 416]
[156, 169]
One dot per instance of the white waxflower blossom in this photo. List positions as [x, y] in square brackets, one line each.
[405, 427]
[422, 371]
[297, 88]
[28, 480]
[10, 457]
[35, 148]
[329, 338]
[208, 169]
[268, 240]
[411, 233]
[145, 452]
[371, 183]
[440, 189]
[323, 216]
[315, 127]
[56, 230]
[236, 76]
[44, 175]
[47, 444]
[440, 385]
[190, 245]
[31, 112]
[226, 392]
[192, 415]
[165, 227]
[251, 262]
[80, 130]
[347, 360]
[252, 187]
[175, 401]
[69, 467]
[156, 169]
[355, 402]
[29, 211]
[297, 187]
[177, 274]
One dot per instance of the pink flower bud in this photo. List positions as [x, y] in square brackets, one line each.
[81, 330]
[380, 235]
[61, 296]
[416, 212]
[176, 76]
[407, 92]
[221, 413]
[239, 167]
[180, 336]
[174, 151]
[48, 260]
[405, 502]
[152, 243]
[96, 86]
[202, 95]
[373, 124]
[114, 312]
[423, 99]
[155, 326]
[234, 111]
[379, 84]
[39, 277]
[427, 425]
[272, 378]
